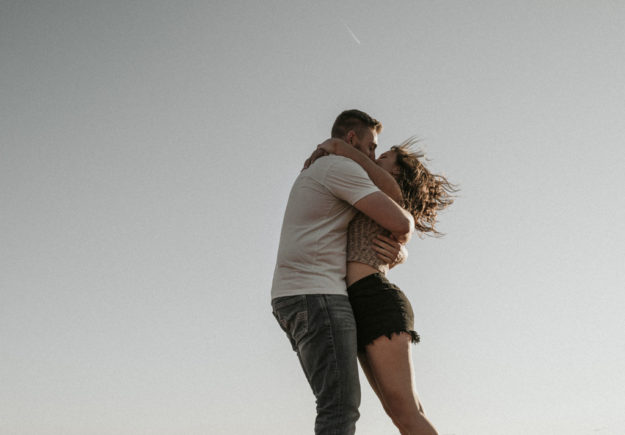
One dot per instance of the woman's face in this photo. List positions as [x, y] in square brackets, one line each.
[388, 161]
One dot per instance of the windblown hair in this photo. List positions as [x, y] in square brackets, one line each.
[354, 120]
[424, 193]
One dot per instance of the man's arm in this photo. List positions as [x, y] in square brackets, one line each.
[349, 182]
[380, 177]
[388, 214]
[392, 252]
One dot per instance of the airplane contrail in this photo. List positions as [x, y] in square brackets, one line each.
[351, 32]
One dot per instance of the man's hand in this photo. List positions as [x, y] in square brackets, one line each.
[389, 250]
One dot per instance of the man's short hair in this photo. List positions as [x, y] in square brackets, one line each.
[356, 120]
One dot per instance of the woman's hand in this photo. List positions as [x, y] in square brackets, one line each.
[336, 146]
[314, 156]
[329, 146]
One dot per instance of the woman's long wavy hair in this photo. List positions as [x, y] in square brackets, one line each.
[424, 193]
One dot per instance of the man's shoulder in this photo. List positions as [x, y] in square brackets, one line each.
[340, 164]
[336, 172]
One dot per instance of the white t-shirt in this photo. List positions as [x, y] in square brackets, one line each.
[313, 241]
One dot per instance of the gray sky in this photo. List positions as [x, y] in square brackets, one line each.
[146, 153]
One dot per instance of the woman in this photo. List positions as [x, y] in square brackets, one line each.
[384, 317]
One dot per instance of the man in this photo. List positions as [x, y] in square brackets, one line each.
[309, 296]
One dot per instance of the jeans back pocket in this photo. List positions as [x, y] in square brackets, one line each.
[291, 312]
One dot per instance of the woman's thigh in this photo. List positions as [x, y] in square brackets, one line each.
[390, 363]
[366, 369]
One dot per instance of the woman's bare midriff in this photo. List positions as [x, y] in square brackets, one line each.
[356, 271]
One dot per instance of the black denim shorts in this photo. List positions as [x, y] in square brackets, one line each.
[380, 308]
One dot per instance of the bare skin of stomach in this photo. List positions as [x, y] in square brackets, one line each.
[356, 271]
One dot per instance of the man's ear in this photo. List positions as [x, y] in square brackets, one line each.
[349, 137]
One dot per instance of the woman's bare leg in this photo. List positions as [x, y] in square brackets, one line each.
[364, 364]
[390, 364]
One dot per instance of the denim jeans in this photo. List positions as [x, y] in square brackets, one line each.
[322, 331]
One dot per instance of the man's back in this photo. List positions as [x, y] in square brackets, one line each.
[311, 256]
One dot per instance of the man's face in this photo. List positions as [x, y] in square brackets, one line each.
[367, 144]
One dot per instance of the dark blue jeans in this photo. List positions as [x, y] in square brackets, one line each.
[322, 331]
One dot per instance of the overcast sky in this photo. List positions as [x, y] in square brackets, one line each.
[147, 149]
